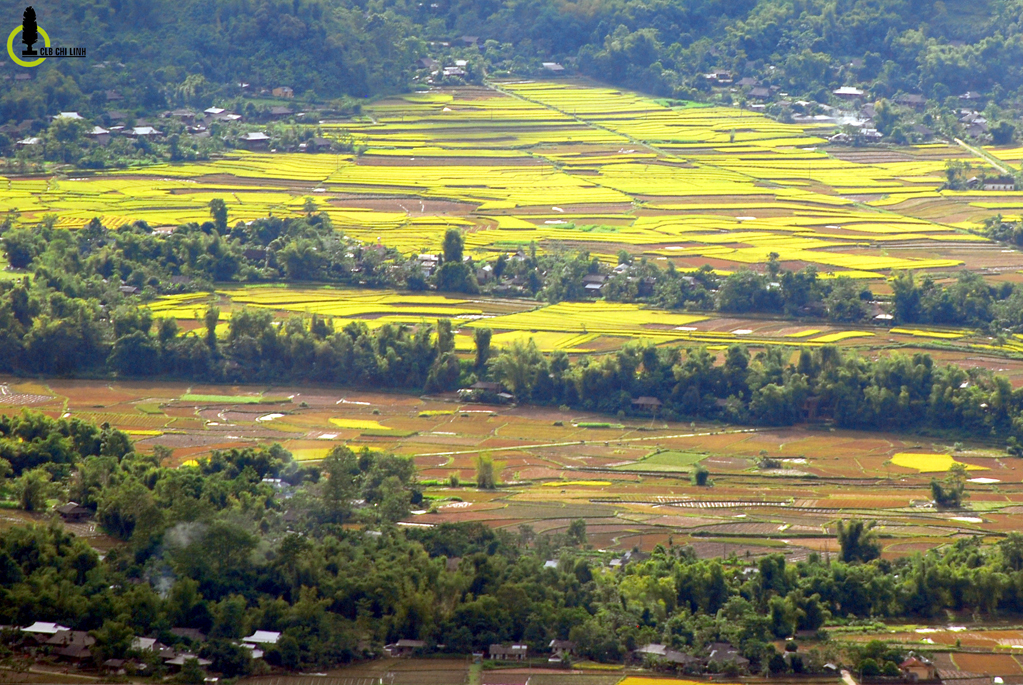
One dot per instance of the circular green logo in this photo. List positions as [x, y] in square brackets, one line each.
[14, 55]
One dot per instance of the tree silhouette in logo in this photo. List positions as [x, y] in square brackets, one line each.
[29, 34]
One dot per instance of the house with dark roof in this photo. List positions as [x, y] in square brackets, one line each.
[646, 403]
[181, 114]
[73, 512]
[72, 644]
[681, 658]
[593, 283]
[721, 653]
[914, 100]
[562, 648]
[404, 647]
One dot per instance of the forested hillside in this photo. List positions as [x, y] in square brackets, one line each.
[159, 53]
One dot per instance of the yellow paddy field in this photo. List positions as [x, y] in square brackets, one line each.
[573, 164]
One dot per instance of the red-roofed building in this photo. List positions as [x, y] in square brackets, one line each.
[915, 669]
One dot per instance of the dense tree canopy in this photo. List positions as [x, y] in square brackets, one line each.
[187, 53]
[248, 539]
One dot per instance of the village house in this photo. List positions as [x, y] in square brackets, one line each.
[720, 77]
[1000, 183]
[721, 653]
[180, 114]
[593, 283]
[508, 652]
[99, 134]
[553, 67]
[404, 647]
[43, 631]
[179, 660]
[254, 140]
[72, 512]
[144, 132]
[681, 658]
[914, 100]
[847, 93]
[916, 669]
[562, 648]
[652, 649]
[646, 403]
[72, 644]
[428, 263]
[262, 637]
[283, 92]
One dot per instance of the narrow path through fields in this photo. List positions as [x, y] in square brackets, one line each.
[993, 161]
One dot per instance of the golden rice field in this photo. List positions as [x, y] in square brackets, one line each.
[930, 463]
[572, 327]
[574, 164]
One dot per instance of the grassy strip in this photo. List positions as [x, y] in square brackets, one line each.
[386, 433]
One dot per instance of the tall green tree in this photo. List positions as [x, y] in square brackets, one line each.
[858, 541]
[218, 211]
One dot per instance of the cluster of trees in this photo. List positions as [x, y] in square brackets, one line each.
[896, 392]
[966, 301]
[73, 318]
[194, 257]
[248, 539]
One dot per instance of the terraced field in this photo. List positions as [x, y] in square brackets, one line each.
[586, 327]
[629, 480]
[573, 164]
